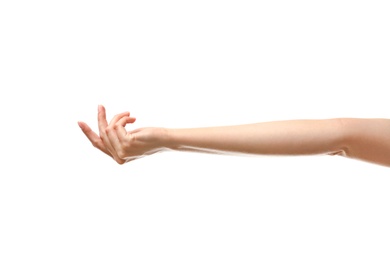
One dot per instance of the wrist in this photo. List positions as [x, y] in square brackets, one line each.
[165, 137]
[179, 139]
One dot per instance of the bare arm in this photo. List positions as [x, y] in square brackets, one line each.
[357, 138]
[368, 139]
[363, 139]
[291, 137]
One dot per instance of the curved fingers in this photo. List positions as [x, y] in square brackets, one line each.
[117, 117]
[112, 139]
[118, 122]
[120, 128]
[106, 130]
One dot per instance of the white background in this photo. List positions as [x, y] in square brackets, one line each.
[188, 64]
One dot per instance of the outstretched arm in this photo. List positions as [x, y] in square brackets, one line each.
[357, 138]
[364, 139]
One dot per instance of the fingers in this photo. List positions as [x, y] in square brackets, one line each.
[117, 117]
[116, 129]
[111, 126]
[111, 138]
[109, 134]
[102, 122]
[104, 130]
[120, 127]
[93, 137]
[111, 130]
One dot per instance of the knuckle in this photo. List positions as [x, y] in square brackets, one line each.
[126, 146]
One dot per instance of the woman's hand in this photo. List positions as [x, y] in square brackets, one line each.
[123, 146]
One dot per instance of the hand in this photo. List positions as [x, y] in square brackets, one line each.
[118, 143]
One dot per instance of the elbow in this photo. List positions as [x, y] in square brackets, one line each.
[363, 139]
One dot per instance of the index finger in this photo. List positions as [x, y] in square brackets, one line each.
[102, 121]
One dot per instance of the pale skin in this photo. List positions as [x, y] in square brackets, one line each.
[366, 139]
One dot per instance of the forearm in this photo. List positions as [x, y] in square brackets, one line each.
[292, 137]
